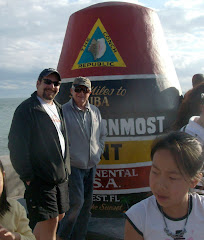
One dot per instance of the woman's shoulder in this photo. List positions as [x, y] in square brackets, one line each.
[198, 206]
[142, 213]
[15, 205]
[197, 198]
[142, 206]
[13, 202]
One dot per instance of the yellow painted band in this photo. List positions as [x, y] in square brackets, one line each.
[126, 152]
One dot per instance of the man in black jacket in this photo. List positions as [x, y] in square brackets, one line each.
[40, 155]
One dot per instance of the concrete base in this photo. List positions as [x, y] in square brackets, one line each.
[15, 187]
[99, 228]
[106, 229]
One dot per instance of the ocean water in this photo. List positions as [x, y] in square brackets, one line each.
[7, 108]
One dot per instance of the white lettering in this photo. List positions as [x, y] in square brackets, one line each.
[127, 173]
[140, 126]
[127, 126]
[151, 125]
[134, 127]
[161, 119]
[97, 183]
[110, 173]
[111, 181]
[113, 126]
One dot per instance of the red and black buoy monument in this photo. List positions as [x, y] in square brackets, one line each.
[121, 48]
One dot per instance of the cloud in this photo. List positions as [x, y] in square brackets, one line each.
[182, 22]
[187, 4]
[32, 34]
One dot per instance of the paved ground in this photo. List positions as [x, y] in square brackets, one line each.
[106, 229]
[99, 228]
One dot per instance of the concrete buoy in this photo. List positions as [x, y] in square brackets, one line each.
[121, 48]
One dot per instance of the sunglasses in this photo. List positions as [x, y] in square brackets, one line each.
[79, 89]
[48, 82]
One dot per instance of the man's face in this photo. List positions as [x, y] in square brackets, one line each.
[46, 88]
[80, 95]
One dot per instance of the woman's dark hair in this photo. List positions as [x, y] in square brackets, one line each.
[185, 149]
[190, 106]
[4, 204]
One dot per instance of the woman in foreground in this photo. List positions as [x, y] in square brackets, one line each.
[13, 219]
[172, 212]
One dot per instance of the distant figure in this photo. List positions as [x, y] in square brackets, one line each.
[190, 106]
[14, 224]
[197, 79]
[86, 143]
[172, 212]
[40, 155]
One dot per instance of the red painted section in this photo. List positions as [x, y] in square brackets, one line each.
[135, 31]
[119, 179]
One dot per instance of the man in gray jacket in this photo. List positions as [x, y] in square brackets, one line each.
[86, 143]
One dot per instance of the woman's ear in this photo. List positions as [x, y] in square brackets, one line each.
[196, 180]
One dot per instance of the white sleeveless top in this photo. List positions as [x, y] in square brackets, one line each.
[148, 221]
[194, 129]
[197, 131]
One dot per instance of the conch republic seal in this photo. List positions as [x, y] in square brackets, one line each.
[121, 48]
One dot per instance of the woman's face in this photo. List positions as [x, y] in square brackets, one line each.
[1, 182]
[166, 182]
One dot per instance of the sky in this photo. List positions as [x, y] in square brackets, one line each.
[32, 34]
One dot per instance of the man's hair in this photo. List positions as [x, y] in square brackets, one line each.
[185, 149]
[4, 204]
[197, 79]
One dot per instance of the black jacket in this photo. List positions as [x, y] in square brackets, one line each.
[35, 150]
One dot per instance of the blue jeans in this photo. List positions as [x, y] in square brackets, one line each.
[75, 223]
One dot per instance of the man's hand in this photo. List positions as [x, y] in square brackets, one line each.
[7, 235]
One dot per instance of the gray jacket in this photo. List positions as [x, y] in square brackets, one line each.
[84, 153]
